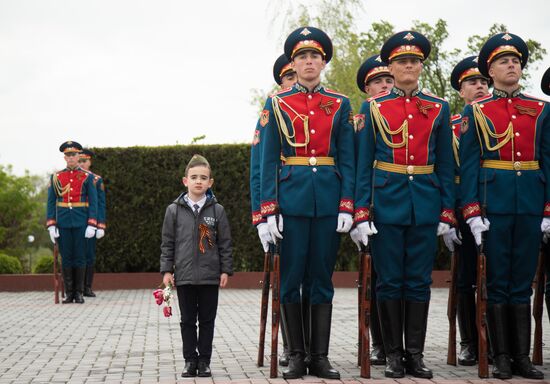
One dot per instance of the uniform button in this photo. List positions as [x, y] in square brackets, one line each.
[518, 154]
[313, 131]
[71, 180]
[410, 116]
[411, 157]
[313, 151]
[437, 105]
[482, 106]
[513, 116]
[408, 100]
[411, 178]
[518, 173]
[411, 137]
[540, 104]
[71, 189]
[314, 169]
[509, 101]
[378, 105]
[309, 97]
[338, 101]
[311, 113]
[517, 133]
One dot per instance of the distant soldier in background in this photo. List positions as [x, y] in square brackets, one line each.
[71, 218]
[85, 163]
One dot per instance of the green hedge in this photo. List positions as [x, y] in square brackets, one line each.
[10, 264]
[44, 264]
[142, 181]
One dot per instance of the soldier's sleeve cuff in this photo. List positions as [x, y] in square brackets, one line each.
[50, 222]
[346, 206]
[257, 218]
[101, 226]
[92, 222]
[269, 208]
[361, 214]
[547, 209]
[471, 210]
[448, 216]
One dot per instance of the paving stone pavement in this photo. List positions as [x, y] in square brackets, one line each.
[122, 336]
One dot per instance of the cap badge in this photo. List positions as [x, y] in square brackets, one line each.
[378, 59]
[305, 32]
[507, 37]
[475, 59]
[408, 36]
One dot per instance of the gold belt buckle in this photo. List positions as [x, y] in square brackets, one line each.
[312, 161]
[517, 165]
[410, 169]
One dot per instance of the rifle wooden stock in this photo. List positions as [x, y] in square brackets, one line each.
[538, 308]
[481, 314]
[451, 310]
[56, 283]
[364, 314]
[359, 297]
[263, 310]
[275, 314]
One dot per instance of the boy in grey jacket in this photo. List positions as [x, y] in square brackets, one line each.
[196, 258]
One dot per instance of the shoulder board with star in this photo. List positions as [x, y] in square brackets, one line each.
[483, 99]
[426, 92]
[455, 119]
[532, 98]
[335, 93]
[281, 92]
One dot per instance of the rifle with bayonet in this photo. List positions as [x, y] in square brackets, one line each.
[452, 308]
[275, 312]
[265, 303]
[538, 307]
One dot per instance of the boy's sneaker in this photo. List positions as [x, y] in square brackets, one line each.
[190, 369]
[204, 369]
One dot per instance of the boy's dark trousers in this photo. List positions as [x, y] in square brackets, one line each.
[197, 301]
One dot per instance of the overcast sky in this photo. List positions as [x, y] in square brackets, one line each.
[126, 72]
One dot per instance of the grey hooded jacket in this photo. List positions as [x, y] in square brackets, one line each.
[180, 252]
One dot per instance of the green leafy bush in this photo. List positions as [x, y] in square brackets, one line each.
[10, 265]
[44, 264]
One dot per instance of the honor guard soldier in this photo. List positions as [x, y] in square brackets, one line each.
[71, 217]
[85, 163]
[405, 169]
[373, 77]
[285, 77]
[504, 162]
[471, 84]
[311, 127]
[545, 87]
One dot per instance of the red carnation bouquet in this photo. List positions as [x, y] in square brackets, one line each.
[164, 296]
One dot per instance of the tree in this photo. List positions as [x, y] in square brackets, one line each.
[19, 207]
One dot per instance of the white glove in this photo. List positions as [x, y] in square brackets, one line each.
[451, 238]
[90, 232]
[274, 229]
[345, 221]
[100, 233]
[366, 229]
[477, 225]
[443, 228]
[264, 235]
[356, 237]
[54, 233]
[545, 226]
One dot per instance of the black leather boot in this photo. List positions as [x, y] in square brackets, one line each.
[416, 321]
[466, 312]
[68, 281]
[291, 316]
[547, 299]
[391, 325]
[321, 315]
[497, 321]
[520, 327]
[306, 319]
[377, 354]
[88, 282]
[284, 357]
[190, 369]
[79, 275]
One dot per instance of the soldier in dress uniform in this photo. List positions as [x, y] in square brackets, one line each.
[71, 217]
[405, 168]
[85, 163]
[311, 127]
[285, 77]
[504, 162]
[373, 77]
[471, 84]
[545, 87]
